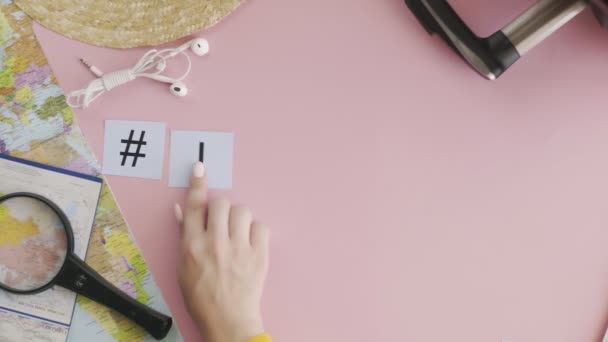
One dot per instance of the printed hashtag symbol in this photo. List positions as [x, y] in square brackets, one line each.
[127, 152]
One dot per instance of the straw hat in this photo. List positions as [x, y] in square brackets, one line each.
[127, 23]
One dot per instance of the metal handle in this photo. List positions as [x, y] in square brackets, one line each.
[492, 55]
[540, 21]
[489, 56]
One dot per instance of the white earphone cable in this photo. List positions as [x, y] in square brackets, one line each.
[153, 59]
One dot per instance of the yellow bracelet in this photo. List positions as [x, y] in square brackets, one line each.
[261, 338]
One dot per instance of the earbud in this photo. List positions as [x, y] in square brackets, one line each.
[179, 89]
[199, 46]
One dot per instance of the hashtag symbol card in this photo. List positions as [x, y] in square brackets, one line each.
[134, 148]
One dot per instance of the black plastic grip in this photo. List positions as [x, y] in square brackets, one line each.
[489, 56]
[82, 279]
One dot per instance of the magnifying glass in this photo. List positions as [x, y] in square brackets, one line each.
[46, 258]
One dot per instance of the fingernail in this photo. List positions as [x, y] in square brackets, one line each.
[179, 216]
[199, 170]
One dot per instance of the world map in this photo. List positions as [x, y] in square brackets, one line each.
[36, 124]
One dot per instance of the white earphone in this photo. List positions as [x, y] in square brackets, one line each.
[153, 59]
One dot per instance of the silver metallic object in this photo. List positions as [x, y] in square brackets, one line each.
[491, 56]
[540, 21]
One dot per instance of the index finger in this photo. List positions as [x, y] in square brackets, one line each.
[196, 208]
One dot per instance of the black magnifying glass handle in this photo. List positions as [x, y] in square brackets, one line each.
[82, 279]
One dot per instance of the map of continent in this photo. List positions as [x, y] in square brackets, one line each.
[30, 256]
[37, 124]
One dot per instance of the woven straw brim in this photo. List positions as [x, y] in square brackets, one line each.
[127, 23]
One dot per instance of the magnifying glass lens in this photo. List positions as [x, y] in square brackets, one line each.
[33, 244]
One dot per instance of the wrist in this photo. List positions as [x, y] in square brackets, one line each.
[249, 329]
[231, 329]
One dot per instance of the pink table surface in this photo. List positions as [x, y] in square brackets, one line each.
[409, 199]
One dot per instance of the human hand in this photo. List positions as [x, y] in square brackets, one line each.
[223, 266]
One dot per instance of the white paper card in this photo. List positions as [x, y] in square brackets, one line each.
[134, 148]
[214, 149]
